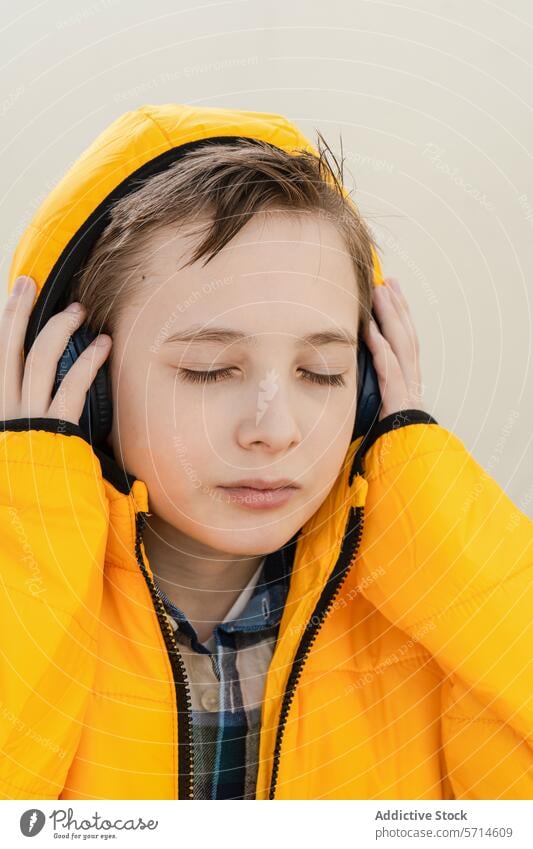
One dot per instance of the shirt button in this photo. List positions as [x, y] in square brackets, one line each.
[209, 699]
[173, 622]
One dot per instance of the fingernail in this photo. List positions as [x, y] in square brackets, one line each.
[74, 307]
[101, 341]
[22, 284]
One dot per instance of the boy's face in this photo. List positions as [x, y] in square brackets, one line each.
[281, 278]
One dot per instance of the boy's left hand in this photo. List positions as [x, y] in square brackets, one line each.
[395, 351]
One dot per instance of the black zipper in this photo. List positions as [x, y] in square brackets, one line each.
[346, 559]
[183, 693]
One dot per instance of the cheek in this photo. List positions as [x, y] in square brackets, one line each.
[179, 476]
[330, 438]
[337, 416]
[147, 406]
[183, 455]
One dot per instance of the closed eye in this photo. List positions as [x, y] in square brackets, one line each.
[215, 375]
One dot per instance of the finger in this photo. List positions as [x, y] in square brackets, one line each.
[394, 327]
[389, 320]
[411, 364]
[394, 285]
[13, 326]
[42, 360]
[400, 303]
[407, 391]
[391, 380]
[69, 400]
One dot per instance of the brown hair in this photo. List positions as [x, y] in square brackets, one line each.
[220, 186]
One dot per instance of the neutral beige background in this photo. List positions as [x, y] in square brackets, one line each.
[434, 103]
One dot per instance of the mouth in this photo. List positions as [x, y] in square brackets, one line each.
[259, 497]
[258, 483]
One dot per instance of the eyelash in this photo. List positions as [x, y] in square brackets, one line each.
[214, 376]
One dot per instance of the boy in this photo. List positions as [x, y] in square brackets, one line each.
[333, 628]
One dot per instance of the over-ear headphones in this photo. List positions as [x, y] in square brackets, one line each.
[368, 394]
[97, 416]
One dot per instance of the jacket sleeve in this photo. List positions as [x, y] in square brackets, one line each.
[455, 556]
[53, 527]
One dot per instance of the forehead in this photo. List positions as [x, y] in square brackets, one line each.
[278, 267]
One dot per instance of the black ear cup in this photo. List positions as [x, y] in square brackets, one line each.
[368, 394]
[97, 415]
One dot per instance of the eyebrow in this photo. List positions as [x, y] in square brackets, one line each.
[225, 335]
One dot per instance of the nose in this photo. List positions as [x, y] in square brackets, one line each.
[272, 422]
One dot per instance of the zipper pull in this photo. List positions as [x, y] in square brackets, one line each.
[358, 492]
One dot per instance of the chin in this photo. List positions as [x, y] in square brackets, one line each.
[250, 543]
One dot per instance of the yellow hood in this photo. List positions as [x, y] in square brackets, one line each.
[134, 147]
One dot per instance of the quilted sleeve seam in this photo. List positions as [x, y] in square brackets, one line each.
[55, 607]
[470, 598]
[70, 469]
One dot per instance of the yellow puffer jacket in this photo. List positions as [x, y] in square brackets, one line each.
[401, 667]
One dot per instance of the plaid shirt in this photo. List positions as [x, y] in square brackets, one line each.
[226, 675]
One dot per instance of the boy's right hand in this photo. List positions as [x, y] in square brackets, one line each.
[27, 388]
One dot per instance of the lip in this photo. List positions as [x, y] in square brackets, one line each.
[257, 483]
[255, 498]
